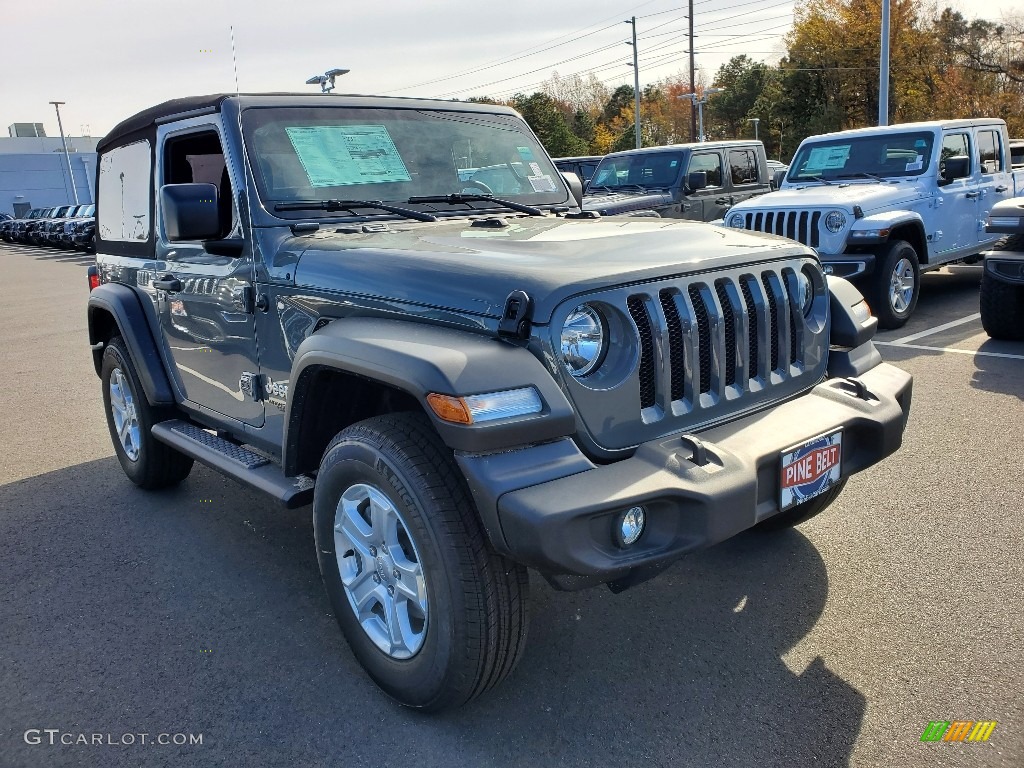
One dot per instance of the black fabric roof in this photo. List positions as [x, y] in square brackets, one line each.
[148, 117]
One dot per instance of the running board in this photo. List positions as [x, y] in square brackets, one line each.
[235, 461]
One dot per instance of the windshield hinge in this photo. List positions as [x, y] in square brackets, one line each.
[515, 319]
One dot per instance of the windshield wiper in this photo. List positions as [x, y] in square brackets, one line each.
[348, 205]
[865, 175]
[822, 179]
[481, 198]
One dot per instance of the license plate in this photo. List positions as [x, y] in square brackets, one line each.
[810, 469]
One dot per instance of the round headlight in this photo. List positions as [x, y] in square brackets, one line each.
[804, 292]
[835, 221]
[735, 220]
[583, 340]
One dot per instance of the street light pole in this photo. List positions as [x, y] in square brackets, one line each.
[883, 77]
[326, 80]
[755, 121]
[699, 103]
[636, 84]
[71, 173]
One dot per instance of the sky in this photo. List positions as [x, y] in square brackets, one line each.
[111, 58]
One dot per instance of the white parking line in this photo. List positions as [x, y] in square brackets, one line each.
[949, 349]
[936, 329]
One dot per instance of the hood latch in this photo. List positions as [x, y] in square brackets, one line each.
[515, 319]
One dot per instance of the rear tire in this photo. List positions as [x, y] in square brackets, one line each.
[432, 613]
[895, 285]
[801, 513]
[148, 463]
[1002, 309]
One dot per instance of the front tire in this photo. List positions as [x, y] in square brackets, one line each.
[148, 463]
[895, 285]
[434, 615]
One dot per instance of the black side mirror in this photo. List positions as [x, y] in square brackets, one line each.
[575, 186]
[953, 168]
[697, 180]
[190, 211]
[778, 177]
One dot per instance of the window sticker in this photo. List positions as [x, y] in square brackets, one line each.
[535, 167]
[917, 165]
[828, 158]
[525, 153]
[542, 183]
[341, 155]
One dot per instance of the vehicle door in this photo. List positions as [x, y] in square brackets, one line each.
[711, 202]
[954, 226]
[203, 300]
[995, 182]
[744, 174]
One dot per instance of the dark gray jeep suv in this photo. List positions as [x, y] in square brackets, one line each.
[304, 294]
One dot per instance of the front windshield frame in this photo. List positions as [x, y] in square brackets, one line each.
[906, 154]
[423, 152]
[647, 170]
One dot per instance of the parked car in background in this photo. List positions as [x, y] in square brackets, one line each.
[1002, 282]
[38, 231]
[6, 225]
[775, 167]
[84, 237]
[63, 236]
[583, 167]
[21, 226]
[682, 181]
[881, 205]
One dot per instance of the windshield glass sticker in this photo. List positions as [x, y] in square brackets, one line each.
[525, 153]
[535, 167]
[827, 158]
[917, 165]
[341, 155]
[542, 183]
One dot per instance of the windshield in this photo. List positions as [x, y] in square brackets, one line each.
[392, 155]
[884, 155]
[643, 169]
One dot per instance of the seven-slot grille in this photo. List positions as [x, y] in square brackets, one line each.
[716, 337]
[801, 226]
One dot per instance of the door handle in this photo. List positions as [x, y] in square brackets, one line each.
[723, 201]
[1002, 188]
[167, 283]
[970, 195]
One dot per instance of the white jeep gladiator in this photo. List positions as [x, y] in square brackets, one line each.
[881, 205]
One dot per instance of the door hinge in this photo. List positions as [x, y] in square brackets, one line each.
[249, 384]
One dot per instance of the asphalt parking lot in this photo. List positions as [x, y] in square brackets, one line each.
[200, 610]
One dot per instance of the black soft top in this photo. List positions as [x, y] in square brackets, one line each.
[146, 121]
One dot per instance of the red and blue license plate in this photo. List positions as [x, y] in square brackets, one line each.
[810, 469]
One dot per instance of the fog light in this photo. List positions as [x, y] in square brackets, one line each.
[630, 526]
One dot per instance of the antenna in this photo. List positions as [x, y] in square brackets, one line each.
[246, 167]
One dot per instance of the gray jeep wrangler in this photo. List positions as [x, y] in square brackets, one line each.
[1002, 282]
[313, 296]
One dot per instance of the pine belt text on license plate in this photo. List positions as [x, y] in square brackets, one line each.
[810, 469]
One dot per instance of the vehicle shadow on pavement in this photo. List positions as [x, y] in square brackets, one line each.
[999, 374]
[200, 610]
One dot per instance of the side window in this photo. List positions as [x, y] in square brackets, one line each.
[955, 157]
[990, 151]
[198, 158]
[124, 188]
[743, 166]
[710, 163]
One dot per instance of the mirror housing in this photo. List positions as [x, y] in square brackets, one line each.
[190, 211]
[575, 186]
[697, 180]
[953, 168]
[777, 178]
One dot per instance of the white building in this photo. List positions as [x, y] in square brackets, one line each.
[34, 171]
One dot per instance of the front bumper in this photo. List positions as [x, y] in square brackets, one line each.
[848, 265]
[564, 525]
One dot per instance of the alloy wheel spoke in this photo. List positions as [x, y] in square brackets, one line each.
[365, 592]
[398, 625]
[411, 586]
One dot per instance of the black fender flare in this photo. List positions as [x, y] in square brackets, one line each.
[420, 359]
[122, 303]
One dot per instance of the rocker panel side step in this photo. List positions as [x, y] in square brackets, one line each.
[235, 461]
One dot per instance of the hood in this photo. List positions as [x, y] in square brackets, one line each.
[869, 196]
[623, 202]
[472, 269]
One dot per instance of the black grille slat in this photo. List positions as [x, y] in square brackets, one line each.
[638, 311]
[815, 218]
[791, 232]
[752, 325]
[729, 322]
[704, 337]
[675, 342]
[774, 313]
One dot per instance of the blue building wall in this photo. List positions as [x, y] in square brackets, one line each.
[42, 180]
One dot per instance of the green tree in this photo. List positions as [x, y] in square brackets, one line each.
[544, 116]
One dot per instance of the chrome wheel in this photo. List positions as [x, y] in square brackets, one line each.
[901, 286]
[126, 419]
[381, 571]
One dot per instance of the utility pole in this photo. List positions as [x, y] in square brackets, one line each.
[74, 192]
[883, 77]
[693, 80]
[636, 84]
[755, 121]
